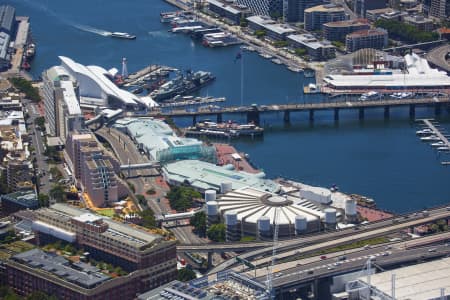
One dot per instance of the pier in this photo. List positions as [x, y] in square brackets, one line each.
[439, 134]
[253, 112]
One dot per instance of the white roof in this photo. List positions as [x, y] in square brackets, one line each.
[70, 98]
[419, 74]
[99, 77]
[417, 282]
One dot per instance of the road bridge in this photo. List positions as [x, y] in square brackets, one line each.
[309, 277]
[253, 111]
[438, 57]
[423, 46]
[331, 239]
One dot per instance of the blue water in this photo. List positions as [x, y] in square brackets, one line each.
[377, 158]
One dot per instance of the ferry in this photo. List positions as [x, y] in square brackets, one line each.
[122, 35]
[229, 129]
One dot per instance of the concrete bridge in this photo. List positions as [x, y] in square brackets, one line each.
[254, 111]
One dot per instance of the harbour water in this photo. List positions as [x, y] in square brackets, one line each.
[380, 159]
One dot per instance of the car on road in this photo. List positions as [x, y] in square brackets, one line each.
[432, 250]
[323, 257]
[310, 272]
[330, 268]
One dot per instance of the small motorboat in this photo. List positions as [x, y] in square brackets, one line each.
[431, 138]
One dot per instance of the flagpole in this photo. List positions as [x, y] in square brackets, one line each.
[242, 79]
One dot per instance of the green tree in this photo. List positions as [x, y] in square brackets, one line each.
[280, 44]
[243, 22]
[141, 199]
[185, 274]
[40, 122]
[26, 87]
[150, 191]
[300, 51]
[7, 293]
[43, 200]
[38, 295]
[216, 232]
[57, 192]
[198, 220]
[148, 218]
[181, 197]
[260, 33]
[406, 32]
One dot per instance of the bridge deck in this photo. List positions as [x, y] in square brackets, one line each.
[302, 106]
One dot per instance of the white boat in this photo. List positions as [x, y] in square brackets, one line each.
[265, 55]
[424, 132]
[123, 35]
[431, 138]
[294, 69]
[443, 149]
[438, 144]
[277, 61]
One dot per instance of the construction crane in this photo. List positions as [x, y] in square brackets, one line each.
[269, 287]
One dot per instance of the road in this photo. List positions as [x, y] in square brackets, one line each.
[324, 240]
[127, 153]
[437, 56]
[355, 261]
[38, 143]
[397, 246]
[293, 107]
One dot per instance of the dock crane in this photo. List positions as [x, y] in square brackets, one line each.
[269, 287]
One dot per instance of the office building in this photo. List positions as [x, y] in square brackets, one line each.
[131, 248]
[61, 102]
[317, 50]
[149, 259]
[274, 31]
[94, 169]
[336, 31]
[231, 11]
[316, 16]
[19, 200]
[376, 38]
[385, 13]
[273, 8]
[439, 9]
[420, 22]
[296, 9]
[360, 7]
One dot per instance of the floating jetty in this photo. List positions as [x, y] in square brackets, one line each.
[432, 130]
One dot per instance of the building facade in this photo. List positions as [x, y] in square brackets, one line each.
[148, 255]
[94, 169]
[296, 9]
[360, 7]
[272, 8]
[336, 31]
[61, 102]
[317, 50]
[372, 38]
[316, 16]
[439, 9]
[131, 248]
[233, 12]
[419, 22]
[19, 200]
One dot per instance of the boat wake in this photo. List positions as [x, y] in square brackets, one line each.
[90, 29]
[159, 33]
